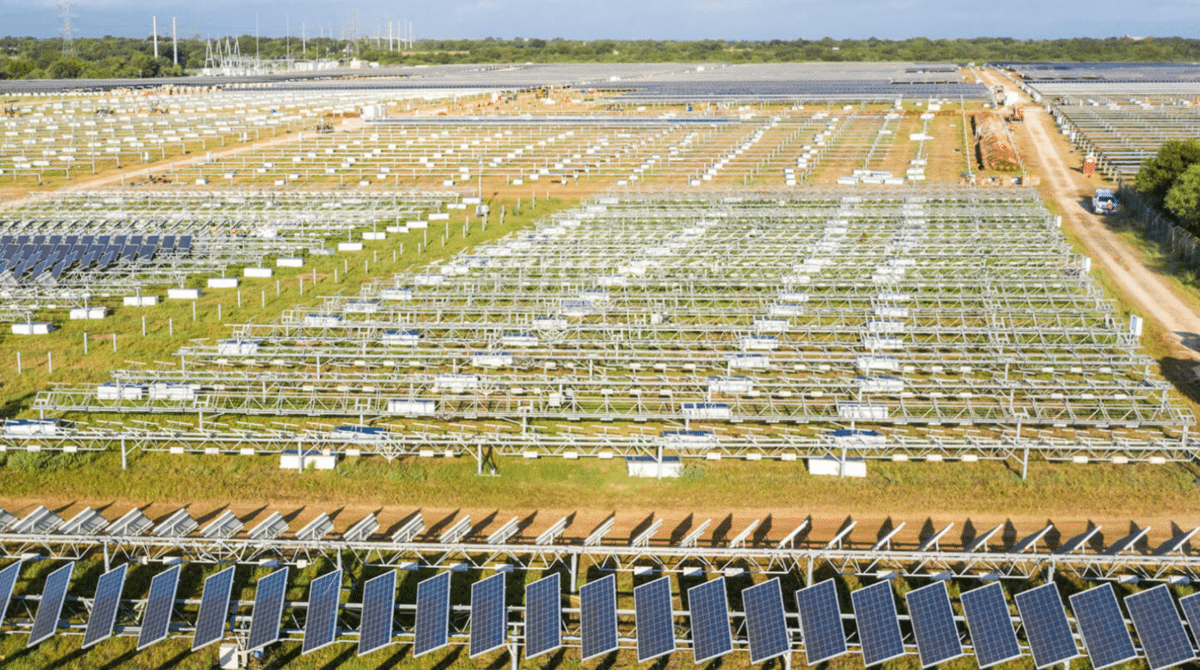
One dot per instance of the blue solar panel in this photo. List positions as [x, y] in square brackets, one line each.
[159, 603]
[489, 617]
[709, 614]
[214, 609]
[433, 614]
[8, 579]
[765, 621]
[821, 622]
[543, 616]
[320, 623]
[104, 608]
[933, 624]
[990, 625]
[53, 596]
[266, 617]
[1158, 627]
[1099, 620]
[1191, 610]
[598, 617]
[1046, 625]
[652, 616]
[378, 608]
[878, 627]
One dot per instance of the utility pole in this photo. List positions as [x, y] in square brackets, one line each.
[303, 40]
[287, 37]
[68, 34]
[155, 28]
[174, 40]
[256, 42]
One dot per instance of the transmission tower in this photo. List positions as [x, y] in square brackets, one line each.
[68, 34]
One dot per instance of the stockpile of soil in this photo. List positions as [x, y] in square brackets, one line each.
[994, 149]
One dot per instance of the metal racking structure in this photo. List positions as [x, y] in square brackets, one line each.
[464, 552]
[756, 325]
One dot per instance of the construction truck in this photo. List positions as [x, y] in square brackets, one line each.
[1018, 114]
[10, 107]
[1104, 202]
[325, 125]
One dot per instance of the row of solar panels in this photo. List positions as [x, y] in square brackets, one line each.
[1098, 618]
[24, 256]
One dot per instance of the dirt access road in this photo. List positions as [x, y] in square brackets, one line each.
[1147, 290]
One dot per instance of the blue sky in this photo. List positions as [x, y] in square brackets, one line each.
[623, 19]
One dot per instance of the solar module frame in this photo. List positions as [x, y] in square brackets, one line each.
[821, 622]
[1159, 629]
[653, 619]
[489, 615]
[933, 625]
[878, 626]
[156, 621]
[1191, 610]
[1102, 627]
[320, 621]
[8, 580]
[267, 615]
[104, 608]
[598, 617]
[989, 624]
[45, 622]
[432, 631]
[214, 609]
[708, 612]
[378, 606]
[1046, 626]
[543, 616]
[766, 623]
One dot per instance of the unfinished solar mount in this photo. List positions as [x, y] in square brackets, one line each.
[930, 324]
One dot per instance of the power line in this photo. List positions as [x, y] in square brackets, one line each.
[68, 33]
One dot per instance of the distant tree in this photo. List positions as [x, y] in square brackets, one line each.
[19, 68]
[1159, 173]
[1183, 200]
[67, 67]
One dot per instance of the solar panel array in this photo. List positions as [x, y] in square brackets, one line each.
[212, 620]
[268, 610]
[766, 625]
[45, 624]
[990, 625]
[878, 627]
[156, 622]
[1102, 626]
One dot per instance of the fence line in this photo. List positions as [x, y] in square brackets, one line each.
[1176, 240]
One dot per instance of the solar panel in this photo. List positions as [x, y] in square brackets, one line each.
[652, 616]
[1099, 620]
[378, 608]
[45, 623]
[489, 617]
[1191, 609]
[821, 622]
[214, 609]
[8, 579]
[543, 616]
[765, 622]
[268, 612]
[708, 611]
[158, 608]
[990, 625]
[878, 627]
[1046, 625]
[598, 617]
[933, 624]
[1159, 629]
[104, 608]
[433, 614]
[320, 624]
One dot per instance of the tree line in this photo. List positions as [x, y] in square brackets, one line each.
[121, 57]
[1171, 181]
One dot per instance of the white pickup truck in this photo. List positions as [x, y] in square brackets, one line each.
[1104, 202]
